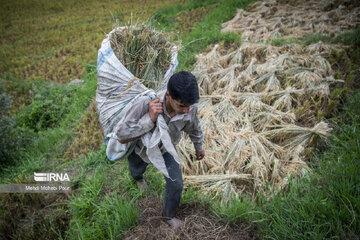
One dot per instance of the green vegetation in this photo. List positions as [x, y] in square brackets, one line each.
[325, 204]
[104, 203]
[56, 44]
[282, 41]
[347, 38]
[97, 212]
[165, 18]
[47, 147]
[205, 32]
[43, 41]
[47, 108]
[7, 147]
[12, 137]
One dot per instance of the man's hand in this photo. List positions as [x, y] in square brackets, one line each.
[200, 155]
[155, 108]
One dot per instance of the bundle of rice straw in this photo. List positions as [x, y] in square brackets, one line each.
[131, 60]
[273, 19]
[259, 108]
[145, 52]
[252, 119]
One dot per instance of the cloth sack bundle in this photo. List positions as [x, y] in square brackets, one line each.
[117, 89]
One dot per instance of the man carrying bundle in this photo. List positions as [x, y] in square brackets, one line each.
[178, 108]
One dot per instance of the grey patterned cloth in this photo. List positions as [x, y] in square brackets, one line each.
[159, 137]
[112, 93]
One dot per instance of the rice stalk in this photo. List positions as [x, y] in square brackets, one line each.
[306, 79]
[284, 103]
[208, 179]
[145, 52]
[225, 111]
[256, 100]
[293, 135]
[321, 63]
[271, 20]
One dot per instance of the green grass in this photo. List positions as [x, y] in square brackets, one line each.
[52, 41]
[165, 18]
[205, 32]
[98, 208]
[104, 202]
[325, 204]
[347, 38]
[47, 147]
[38, 35]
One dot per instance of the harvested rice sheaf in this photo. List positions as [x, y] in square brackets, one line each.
[249, 117]
[261, 105]
[145, 52]
[273, 19]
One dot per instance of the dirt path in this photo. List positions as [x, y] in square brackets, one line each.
[199, 224]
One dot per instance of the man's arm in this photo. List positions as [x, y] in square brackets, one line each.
[136, 122]
[154, 109]
[196, 135]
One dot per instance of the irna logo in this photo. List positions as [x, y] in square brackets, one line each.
[51, 177]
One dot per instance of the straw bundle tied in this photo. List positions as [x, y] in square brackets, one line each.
[145, 52]
[259, 110]
[271, 19]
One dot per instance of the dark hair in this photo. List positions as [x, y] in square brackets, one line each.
[183, 86]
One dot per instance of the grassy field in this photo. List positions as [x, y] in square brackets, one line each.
[54, 42]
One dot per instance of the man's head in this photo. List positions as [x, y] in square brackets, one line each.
[183, 91]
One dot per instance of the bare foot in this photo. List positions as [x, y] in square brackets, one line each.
[142, 184]
[175, 223]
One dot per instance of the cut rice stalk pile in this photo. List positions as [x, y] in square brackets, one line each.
[272, 19]
[145, 52]
[260, 122]
[262, 108]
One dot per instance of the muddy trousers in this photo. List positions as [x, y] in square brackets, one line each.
[173, 186]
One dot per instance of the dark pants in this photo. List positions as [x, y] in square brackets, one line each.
[173, 188]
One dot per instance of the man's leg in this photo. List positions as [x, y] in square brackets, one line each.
[137, 166]
[173, 187]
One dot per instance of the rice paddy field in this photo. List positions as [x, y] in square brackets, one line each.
[279, 85]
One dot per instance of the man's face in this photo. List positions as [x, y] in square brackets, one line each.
[177, 106]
